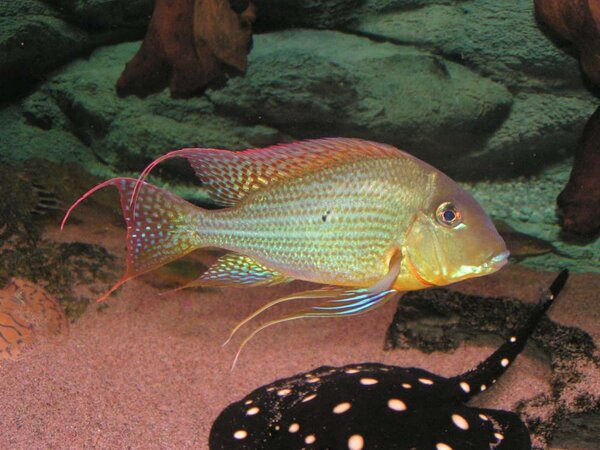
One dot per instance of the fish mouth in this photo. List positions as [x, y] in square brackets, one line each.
[498, 261]
[493, 264]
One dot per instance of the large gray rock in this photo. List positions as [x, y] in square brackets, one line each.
[125, 134]
[107, 13]
[498, 38]
[370, 6]
[541, 128]
[33, 39]
[22, 142]
[277, 14]
[36, 38]
[316, 83]
[324, 14]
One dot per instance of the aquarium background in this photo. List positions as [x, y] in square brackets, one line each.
[476, 88]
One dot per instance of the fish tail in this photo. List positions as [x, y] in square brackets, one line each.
[165, 226]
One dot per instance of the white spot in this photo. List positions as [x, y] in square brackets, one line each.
[368, 381]
[504, 362]
[248, 402]
[277, 427]
[442, 446]
[313, 380]
[396, 404]
[484, 417]
[310, 439]
[483, 387]
[513, 339]
[294, 428]
[460, 422]
[426, 381]
[499, 436]
[356, 442]
[465, 386]
[308, 398]
[240, 434]
[342, 408]
[406, 385]
[351, 371]
[252, 411]
[283, 392]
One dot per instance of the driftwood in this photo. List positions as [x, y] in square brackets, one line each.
[578, 21]
[579, 201]
[189, 44]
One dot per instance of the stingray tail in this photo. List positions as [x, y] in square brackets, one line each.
[488, 371]
[165, 226]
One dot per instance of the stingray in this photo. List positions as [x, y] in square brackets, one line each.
[376, 406]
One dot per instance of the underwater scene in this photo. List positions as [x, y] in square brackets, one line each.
[300, 224]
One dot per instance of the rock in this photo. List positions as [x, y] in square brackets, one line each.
[33, 39]
[541, 128]
[132, 142]
[316, 83]
[442, 319]
[107, 13]
[277, 14]
[396, 5]
[497, 38]
[22, 142]
[126, 134]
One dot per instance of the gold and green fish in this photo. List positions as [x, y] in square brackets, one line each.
[365, 219]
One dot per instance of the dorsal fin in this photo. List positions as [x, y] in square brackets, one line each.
[229, 175]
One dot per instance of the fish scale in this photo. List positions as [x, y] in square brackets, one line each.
[367, 217]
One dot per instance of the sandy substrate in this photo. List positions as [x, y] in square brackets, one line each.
[148, 371]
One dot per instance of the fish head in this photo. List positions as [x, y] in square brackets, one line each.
[451, 238]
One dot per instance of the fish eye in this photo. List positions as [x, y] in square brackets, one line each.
[448, 215]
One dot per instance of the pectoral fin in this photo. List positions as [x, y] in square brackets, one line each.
[341, 302]
[233, 270]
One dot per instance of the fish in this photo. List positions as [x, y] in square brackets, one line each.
[377, 406]
[522, 245]
[365, 219]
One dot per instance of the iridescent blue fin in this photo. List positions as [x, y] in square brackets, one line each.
[233, 270]
[342, 302]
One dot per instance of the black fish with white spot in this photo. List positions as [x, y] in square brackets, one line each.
[374, 406]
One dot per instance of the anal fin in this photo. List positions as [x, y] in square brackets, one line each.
[234, 270]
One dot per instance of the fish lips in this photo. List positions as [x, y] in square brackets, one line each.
[493, 264]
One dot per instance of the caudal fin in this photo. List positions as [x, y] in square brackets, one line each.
[165, 227]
